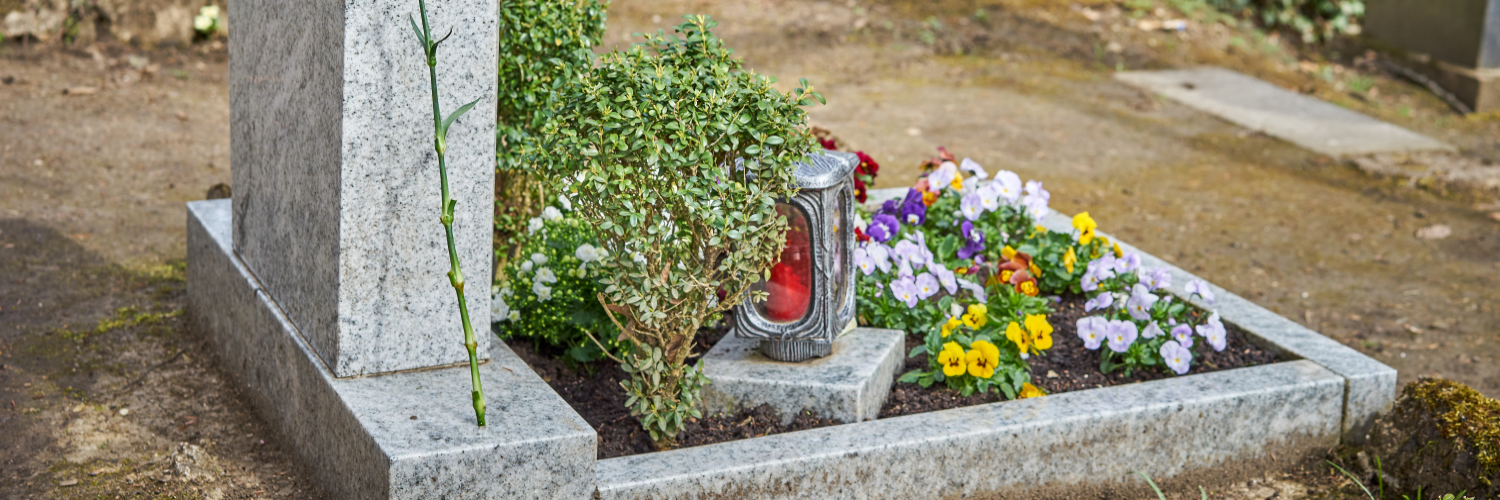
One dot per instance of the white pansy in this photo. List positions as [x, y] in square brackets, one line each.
[533, 225]
[551, 213]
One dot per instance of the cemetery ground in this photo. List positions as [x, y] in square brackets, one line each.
[105, 389]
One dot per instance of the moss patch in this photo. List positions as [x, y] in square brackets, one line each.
[1464, 416]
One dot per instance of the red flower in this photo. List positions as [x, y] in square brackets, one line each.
[867, 165]
[859, 234]
[859, 190]
[829, 143]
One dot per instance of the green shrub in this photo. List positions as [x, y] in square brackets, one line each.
[1313, 19]
[545, 45]
[653, 137]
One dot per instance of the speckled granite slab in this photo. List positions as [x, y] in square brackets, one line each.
[408, 435]
[1163, 428]
[848, 385]
[336, 195]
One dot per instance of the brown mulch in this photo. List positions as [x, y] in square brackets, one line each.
[594, 391]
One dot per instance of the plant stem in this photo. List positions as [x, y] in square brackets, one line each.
[455, 272]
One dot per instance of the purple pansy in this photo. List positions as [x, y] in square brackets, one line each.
[1183, 334]
[1200, 288]
[1098, 271]
[1121, 334]
[989, 196]
[891, 207]
[863, 261]
[974, 288]
[973, 241]
[914, 213]
[927, 285]
[943, 177]
[973, 167]
[905, 290]
[1152, 331]
[1008, 185]
[880, 254]
[1158, 278]
[944, 276]
[1213, 330]
[1130, 262]
[1092, 330]
[1178, 358]
[972, 205]
[1140, 302]
[1099, 303]
[883, 227]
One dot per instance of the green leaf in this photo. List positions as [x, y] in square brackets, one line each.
[461, 110]
[420, 37]
[910, 377]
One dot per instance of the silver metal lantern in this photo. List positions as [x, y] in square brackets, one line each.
[811, 289]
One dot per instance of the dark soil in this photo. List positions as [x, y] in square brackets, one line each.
[1068, 366]
[595, 393]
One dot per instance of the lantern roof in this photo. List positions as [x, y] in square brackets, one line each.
[825, 169]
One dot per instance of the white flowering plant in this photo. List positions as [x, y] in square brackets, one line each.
[548, 293]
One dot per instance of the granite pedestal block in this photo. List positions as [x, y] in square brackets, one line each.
[336, 192]
[1456, 43]
[408, 435]
[849, 385]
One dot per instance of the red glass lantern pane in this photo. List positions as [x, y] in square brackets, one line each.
[791, 285]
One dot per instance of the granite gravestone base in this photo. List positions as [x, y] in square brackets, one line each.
[848, 385]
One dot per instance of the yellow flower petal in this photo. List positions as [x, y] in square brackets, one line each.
[1030, 391]
[1007, 252]
[1069, 259]
[1014, 334]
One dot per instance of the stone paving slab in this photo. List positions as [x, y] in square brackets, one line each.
[1163, 428]
[1255, 104]
[849, 385]
[357, 434]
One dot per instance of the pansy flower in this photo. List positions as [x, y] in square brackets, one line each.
[1099, 303]
[1183, 334]
[1152, 331]
[952, 324]
[1200, 288]
[927, 285]
[1092, 330]
[1214, 331]
[913, 209]
[972, 205]
[973, 167]
[880, 255]
[1085, 226]
[883, 227]
[891, 207]
[1130, 262]
[1178, 358]
[1008, 185]
[953, 360]
[1025, 283]
[976, 316]
[989, 196]
[1035, 337]
[1070, 259]
[1121, 334]
[983, 357]
[863, 261]
[1140, 302]
[973, 241]
[974, 288]
[1158, 278]
[1029, 391]
[943, 177]
[905, 290]
[944, 276]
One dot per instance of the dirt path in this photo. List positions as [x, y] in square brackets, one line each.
[92, 186]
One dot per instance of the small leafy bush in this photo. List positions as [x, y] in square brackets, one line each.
[679, 156]
[1313, 19]
[549, 295]
[545, 45]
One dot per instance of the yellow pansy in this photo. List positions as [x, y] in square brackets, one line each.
[1035, 337]
[958, 182]
[952, 359]
[1035, 271]
[1069, 259]
[976, 317]
[1040, 229]
[1040, 330]
[1029, 288]
[1005, 276]
[1007, 252]
[1030, 391]
[1118, 253]
[950, 325]
[1085, 226]
[929, 197]
[982, 358]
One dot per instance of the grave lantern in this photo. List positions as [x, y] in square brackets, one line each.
[810, 293]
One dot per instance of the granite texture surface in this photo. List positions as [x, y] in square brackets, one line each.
[1258, 105]
[849, 385]
[1371, 385]
[336, 190]
[1163, 428]
[405, 435]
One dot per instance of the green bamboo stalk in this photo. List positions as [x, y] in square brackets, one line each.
[440, 144]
